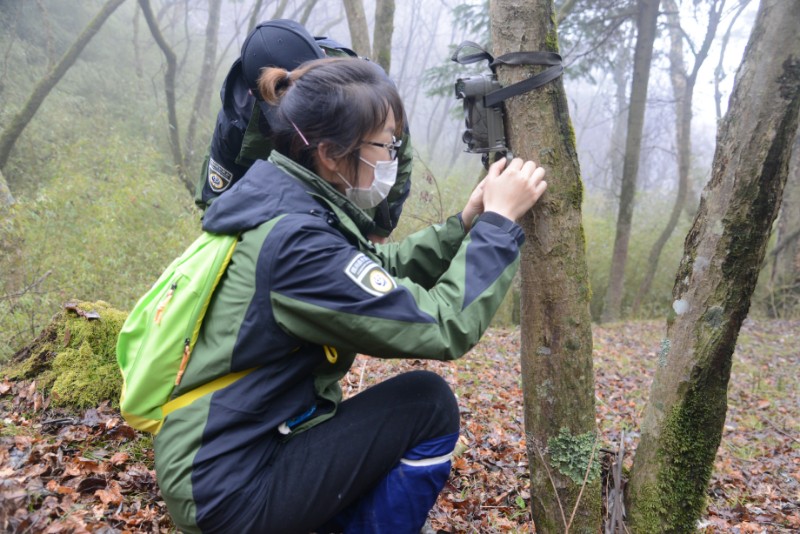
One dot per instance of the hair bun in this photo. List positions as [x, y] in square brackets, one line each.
[273, 83]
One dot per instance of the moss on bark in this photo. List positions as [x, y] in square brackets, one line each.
[690, 440]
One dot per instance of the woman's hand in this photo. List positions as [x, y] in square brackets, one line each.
[511, 190]
[474, 206]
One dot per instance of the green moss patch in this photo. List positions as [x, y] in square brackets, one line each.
[74, 357]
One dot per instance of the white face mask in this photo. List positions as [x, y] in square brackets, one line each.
[385, 177]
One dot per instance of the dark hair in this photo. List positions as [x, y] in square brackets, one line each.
[337, 100]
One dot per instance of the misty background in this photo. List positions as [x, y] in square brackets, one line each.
[99, 209]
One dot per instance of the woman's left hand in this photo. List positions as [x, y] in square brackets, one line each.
[474, 206]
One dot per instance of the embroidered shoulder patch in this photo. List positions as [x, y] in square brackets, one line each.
[369, 276]
[219, 178]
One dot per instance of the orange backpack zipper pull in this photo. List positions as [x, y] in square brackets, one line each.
[163, 305]
[185, 360]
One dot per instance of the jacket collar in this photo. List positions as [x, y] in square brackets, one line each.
[345, 210]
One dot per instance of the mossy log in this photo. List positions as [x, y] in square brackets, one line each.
[73, 359]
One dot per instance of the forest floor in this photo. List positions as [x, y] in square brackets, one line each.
[90, 472]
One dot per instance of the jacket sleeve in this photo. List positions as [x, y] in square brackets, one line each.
[323, 290]
[425, 255]
[220, 169]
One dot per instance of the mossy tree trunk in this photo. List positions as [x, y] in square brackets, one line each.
[646, 18]
[724, 251]
[558, 380]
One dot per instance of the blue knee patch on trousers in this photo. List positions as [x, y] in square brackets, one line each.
[401, 501]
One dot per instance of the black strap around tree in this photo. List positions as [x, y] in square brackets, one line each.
[495, 98]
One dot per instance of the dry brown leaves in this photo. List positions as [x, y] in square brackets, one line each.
[92, 473]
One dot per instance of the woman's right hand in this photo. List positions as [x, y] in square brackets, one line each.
[513, 189]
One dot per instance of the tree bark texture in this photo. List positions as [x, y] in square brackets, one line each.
[683, 84]
[642, 59]
[357, 22]
[18, 123]
[169, 92]
[202, 97]
[723, 254]
[382, 36]
[558, 379]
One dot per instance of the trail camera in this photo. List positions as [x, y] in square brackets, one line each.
[484, 96]
[485, 131]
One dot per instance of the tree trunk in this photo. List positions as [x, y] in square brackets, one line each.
[382, 36]
[169, 92]
[6, 198]
[357, 22]
[723, 254]
[557, 375]
[683, 83]
[205, 84]
[18, 123]
[254, 15]
[618, 133]
[785, 273]
[307, 10]
[719, 72]
[642, 59]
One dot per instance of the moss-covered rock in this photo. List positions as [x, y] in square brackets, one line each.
[73, 359]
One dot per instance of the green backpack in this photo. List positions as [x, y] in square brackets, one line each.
[157, 339]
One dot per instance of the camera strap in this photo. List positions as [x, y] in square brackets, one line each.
[495, 98]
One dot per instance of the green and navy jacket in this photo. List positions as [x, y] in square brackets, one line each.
[304, 292]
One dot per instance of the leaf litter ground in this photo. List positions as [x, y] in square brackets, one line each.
[62, 472]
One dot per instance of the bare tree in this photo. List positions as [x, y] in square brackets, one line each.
[18, 123]
[169, 92]
[642, 59]
[202, 97]
[683, 84]
[306, 12]
[357, 22]
[382, 36]
[784, 277]
[557, 375]
[723, 253]
[719, 71]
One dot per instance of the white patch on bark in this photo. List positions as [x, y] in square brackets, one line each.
[680, 306]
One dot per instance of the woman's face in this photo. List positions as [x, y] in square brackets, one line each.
[372, 151]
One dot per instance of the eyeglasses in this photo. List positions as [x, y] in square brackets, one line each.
[392, 147]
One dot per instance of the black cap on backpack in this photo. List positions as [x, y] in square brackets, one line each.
[276, 43]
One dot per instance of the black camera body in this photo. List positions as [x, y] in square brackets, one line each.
[485, 131]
